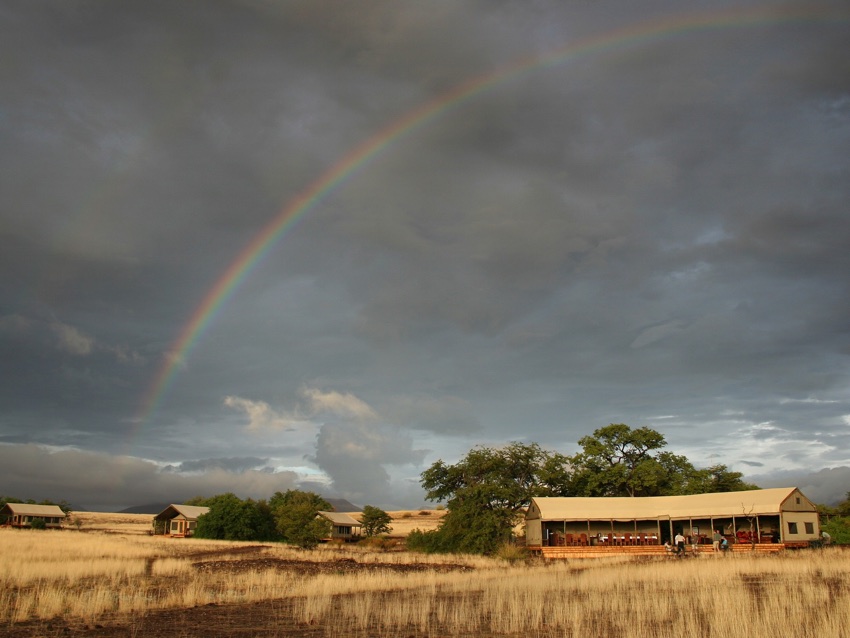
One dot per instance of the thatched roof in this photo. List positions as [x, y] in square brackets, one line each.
[722, 504]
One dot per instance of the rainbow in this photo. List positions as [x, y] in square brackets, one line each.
[276, 228]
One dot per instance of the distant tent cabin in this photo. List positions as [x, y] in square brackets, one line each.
[345, 527]
[776, 516]
[178, 520]
[23, 514]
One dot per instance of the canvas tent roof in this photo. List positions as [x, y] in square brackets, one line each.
[190, 512]
[750, 502]
[338, 518]
[27, 509]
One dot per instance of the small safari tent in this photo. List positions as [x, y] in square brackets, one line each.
[178, 520]
[345, 527]
[780, 517]
[23, 514]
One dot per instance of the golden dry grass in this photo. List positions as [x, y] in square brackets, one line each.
[110, 522]
[405, 521]
[97, 575]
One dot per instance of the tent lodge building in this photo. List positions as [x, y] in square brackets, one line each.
[770, 519]
[23, 514]
[344, 527]
[178, 520]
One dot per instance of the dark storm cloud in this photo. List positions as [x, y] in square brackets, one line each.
[827, 486]
[654, 233]
[102, 482]
[235, 464]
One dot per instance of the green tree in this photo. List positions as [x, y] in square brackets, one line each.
[717, 478]
[486, 493]
[838, 528]
[617, 460]
[231, 518]
[295, 513]
[375, 521]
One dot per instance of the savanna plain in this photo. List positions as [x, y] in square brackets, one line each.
[109, 578]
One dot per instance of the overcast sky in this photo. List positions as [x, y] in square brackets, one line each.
[648, 228]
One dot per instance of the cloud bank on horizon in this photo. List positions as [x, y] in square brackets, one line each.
[651, 231]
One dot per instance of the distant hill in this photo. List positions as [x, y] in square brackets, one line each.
[342, 505]
[150, 508]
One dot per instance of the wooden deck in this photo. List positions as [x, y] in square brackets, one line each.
[601, 551]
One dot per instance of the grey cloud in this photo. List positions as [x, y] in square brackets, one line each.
[354, 456]
[655, 227]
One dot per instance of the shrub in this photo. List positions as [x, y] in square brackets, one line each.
[512, 553]
[429, 542]
[379, 543]
[38, 523]
[839, 529]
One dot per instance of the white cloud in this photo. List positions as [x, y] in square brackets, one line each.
[339, 404]
[261, 416]
[72, 340]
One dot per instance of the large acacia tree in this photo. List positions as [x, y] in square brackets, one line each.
[486, 493]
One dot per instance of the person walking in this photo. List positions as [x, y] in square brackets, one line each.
[716, 540]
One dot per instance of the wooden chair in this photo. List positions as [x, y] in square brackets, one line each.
[627, 539]
[582, 540]
[569, 540]
[641, 538]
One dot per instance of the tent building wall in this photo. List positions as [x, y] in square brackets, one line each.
[777, 515]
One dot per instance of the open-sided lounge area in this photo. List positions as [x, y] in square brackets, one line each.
[778, 517]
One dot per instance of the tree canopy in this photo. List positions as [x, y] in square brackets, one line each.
[617, 460]
[486, 492]
[296, 517]
[289, 517]
[230, 518]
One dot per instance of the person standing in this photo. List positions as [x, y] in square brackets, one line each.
[716, 540]
[680, 544]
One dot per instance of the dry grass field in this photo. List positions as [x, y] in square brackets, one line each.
[59, 583]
